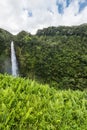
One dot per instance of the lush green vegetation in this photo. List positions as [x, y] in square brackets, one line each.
[27, 105]
[5, 39]
[55, 55]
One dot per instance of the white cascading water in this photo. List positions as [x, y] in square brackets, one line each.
[14, 61]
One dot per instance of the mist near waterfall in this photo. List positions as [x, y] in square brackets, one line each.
[14, 61]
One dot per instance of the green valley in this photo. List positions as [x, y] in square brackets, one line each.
[55, 55]
[51, 90]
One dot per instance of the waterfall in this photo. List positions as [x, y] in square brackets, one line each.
[14, 61]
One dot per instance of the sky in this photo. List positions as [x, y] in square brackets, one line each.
[31, 15]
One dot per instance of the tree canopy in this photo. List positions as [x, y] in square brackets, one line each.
[55, 55]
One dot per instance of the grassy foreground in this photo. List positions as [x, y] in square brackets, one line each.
[27, 105]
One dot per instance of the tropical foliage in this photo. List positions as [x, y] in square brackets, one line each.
[28, 105]
[55, 55]
[5, 39]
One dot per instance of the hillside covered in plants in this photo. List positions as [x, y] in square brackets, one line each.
[28, 105]
[5, 39]
[55, 55]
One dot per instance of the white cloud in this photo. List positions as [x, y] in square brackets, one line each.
[14, 14]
